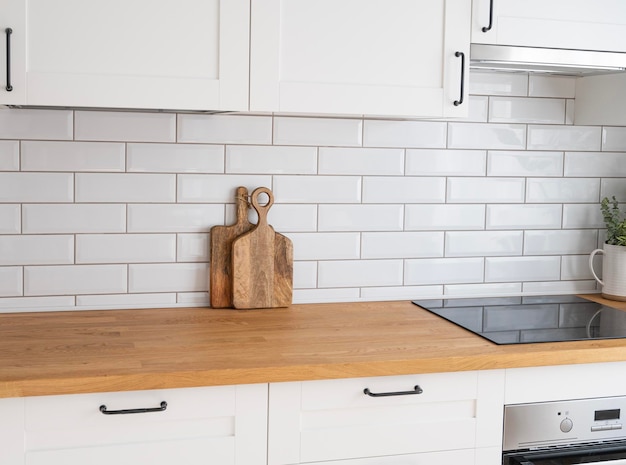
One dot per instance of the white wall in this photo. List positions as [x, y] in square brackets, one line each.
[113, 209]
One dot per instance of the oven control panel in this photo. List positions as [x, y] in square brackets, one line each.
[545, 424]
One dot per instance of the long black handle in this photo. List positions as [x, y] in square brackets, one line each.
[488, 28]
[161, 408]
[460, 100]
[416, 390]
[8, 31]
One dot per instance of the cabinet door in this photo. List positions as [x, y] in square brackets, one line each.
[377, 57]
[170, 54]
[12, 52]
[569, 24]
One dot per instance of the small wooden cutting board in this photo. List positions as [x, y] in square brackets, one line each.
[220, 268]
[262, 263]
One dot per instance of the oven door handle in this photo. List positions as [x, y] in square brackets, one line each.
[555, 460]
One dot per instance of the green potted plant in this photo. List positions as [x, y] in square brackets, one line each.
[614, 251]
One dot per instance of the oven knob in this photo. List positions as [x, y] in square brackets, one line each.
[566, 425]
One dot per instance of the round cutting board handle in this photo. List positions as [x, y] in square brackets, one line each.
[262, 210]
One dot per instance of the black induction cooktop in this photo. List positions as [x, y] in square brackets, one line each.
[530, 319]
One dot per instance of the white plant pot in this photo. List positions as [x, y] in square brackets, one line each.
[613, 280]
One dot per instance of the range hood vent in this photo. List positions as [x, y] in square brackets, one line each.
[546, 60]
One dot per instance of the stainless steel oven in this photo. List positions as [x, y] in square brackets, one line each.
[588, 431]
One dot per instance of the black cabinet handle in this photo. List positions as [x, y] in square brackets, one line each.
[416, 390]
[8, 31]
[460, 100]
[161, 408]
[488, 28]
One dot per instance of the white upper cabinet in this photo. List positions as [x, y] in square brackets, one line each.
[568, 24]
[372, 57]
[170, 54]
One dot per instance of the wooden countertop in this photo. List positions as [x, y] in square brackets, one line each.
[117, 350]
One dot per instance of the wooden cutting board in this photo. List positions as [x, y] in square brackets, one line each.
[222, 237]
[262, 263]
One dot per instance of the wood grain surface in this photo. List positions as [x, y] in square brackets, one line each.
[220, 267]
[118, 350]
[262, 262]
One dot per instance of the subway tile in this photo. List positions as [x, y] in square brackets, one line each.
[418, 134]
[259, 159]
[563, 287]
[36, 187]
[454, 290]
[443, 271]
[291, 218]
[613, 187]
[425, 162]
[445, 217]
[304, 275]
[36, 124]
[73, 218]
[317, 189]
[174, 218]
[360, 217]
[483, 243]
[486, 136]
[523, 216]
[126, 300]
[582, 216]
[192, 248]
[194, 188]
[125, 248]
[562, 190]
[10, 219]
[333, 132]
[595, 164]
[584, 138]
[614, 139]
[195, 299]
[36, 250]
[481, 190]
[225, 129]
[351, 273]
[127, 187]
[381, 189]
[169, 277]
[326, 246]
[175, 158]
[400, 292]
[570, 111]
[478, 109]
[526, 110]
[575, 267]
[9, 155]
[72, 156]
[490, 83]
[125, 126]
[518, 163]
[301, 296]
[75, 279]
[512, 269]
[551, 86]
[402, 244]
[566, 242]
[361, 161]
[35, 304]
[10, 281]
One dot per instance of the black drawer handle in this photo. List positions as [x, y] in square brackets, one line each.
[460, 100]
[103, 409]
[488, 28]
[8, 31]
[416, 390]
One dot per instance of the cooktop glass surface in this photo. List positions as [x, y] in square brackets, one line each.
[529, 319]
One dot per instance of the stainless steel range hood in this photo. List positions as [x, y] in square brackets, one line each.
[546, 60]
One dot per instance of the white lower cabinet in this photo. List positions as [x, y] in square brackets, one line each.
[457, 418]
[224, 425]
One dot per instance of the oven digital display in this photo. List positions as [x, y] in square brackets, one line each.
[602, 415]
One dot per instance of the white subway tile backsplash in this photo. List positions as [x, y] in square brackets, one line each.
[304, 275]
[483, 290]
[36, 187]
[512, 269]
[560, 287]
[402, 244]
[526, 110]
[483, 243]
[614, 139]
[418, 134]
[317, 189]
[575, 267]
[481, 190]
[175, 158]
[478, 109]
[444, 217]
[75, 279]
[570, 112]
[361, 161]
[225, 129]
[10, 219]
[73, 218]
[170, 277]
[267, 159]
[486, 136]
[613, 187]
[125, 248]
[582, 216]
[524, 216]
[318, 131]
[562, 190]
[29, 250]
[9, 155]
[326, 246]
[400, 292]
[35, 304]
[126, 300]
[524, 163]
[127, 187]
[425, 162]
[360, 217]
[555, 137]
[73, 156]
[192, 248]
[564, 242]
[195, 299]
[443, 271]
[209, 188]
[595, 164]
[36, 124]
[156, 218]
[291, 218]
[11, 283]
[488, 83]
[301, 296]
[125, 126]
[551, 86]
[380, 189]
[357, 273]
